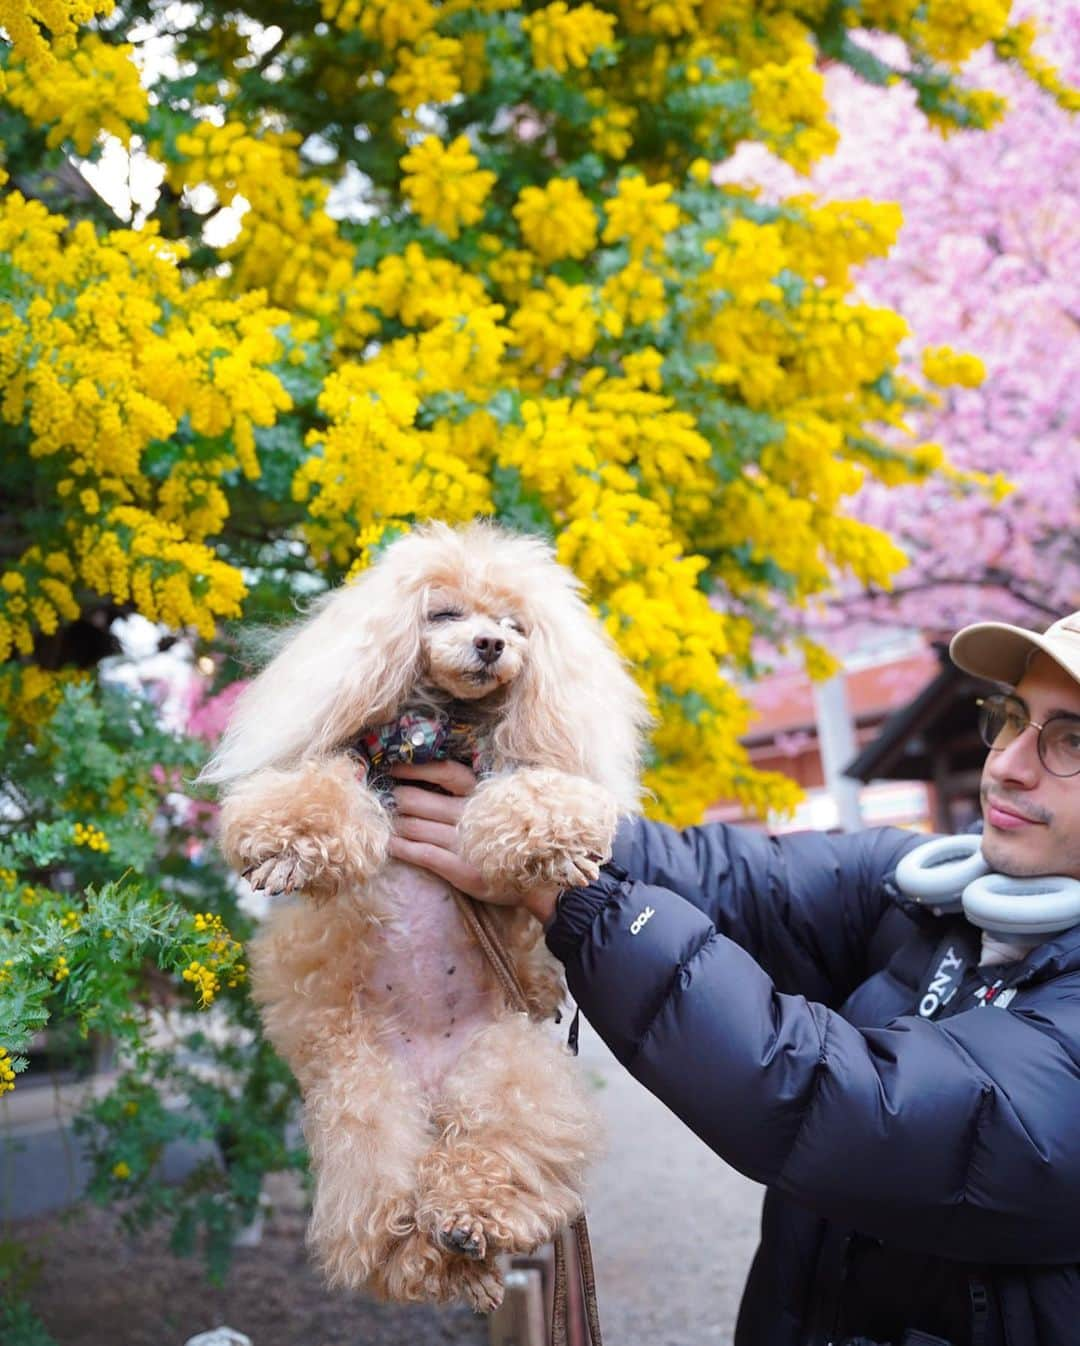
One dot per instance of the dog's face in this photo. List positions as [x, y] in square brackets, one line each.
[474, 638]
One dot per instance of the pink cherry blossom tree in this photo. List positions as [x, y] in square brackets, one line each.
[988, 262]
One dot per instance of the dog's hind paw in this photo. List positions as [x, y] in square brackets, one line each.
[465, 1235]
[482, 1287]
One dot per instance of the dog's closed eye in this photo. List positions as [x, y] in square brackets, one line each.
[446, 615]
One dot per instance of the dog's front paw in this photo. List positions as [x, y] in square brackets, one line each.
[286, 872]
[316, 830]
[535, 827]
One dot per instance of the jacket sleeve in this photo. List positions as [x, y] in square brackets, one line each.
[957, 1138]
[804, 905]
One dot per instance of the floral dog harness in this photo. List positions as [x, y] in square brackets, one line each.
[419, 737]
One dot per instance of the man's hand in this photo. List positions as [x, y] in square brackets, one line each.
[425, 833]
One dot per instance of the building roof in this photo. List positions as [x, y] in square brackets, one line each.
[936, 730]
[784, 702]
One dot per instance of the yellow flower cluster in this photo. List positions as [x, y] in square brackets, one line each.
[824, 241]
[192, 496]
[39, 30]
[791, 110]
[29, 695]
[640, 214]
[861, 549]
[981, 108]
[373, 466]
[510, 270]
[223, 952]
[821, 348]
[805, 356]
[288, 245]
[7, 1072]
[221, 959]
[947, 368]
[562, 37]
[92, 89]
[131, 357]
[86, 834]
[556, 221]
[36, 593]
[667, 18]
[121, 1170]
[888, 14]
[204, 980]
[394, 23]
[555, 324]
[235, 163]
[135, 556]
[610, 130]
[430, 72]
[637, 295]
[425, 66]
[627, 477]
[418, 290]
[1017, 44]
[61, 971]
[809, 461]
[953, 29]
[296, 255]
[445, 185]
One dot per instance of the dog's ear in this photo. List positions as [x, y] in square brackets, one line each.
[348, 665]
[574, 706]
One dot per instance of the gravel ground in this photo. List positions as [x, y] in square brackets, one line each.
[99, 1289]
[673, 1232]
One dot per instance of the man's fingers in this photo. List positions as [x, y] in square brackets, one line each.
[587, 872]
[423, 829]
[446, 864]
[453, 776]
[423, 855]
[420, 803]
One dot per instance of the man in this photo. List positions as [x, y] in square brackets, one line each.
[923, 1172]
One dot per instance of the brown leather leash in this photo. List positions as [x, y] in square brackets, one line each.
[483, 929]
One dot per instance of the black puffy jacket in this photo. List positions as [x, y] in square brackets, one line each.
[922, 1174]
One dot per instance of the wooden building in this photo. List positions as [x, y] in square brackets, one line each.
[917, 749]
[934, 737]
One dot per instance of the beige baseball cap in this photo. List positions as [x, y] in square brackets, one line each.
[1001, 653]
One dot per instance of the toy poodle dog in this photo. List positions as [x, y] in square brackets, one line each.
[444, 1128]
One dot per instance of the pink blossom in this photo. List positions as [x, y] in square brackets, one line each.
[988, 261]
[208, 715]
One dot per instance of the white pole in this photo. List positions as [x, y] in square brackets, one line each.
[836, 743]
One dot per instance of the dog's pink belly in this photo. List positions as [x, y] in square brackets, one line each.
[430, 979]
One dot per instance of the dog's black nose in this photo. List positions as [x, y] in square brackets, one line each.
[488, 647]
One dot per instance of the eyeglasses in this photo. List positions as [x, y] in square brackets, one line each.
[1004, 718]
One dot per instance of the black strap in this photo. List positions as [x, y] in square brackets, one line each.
[954, 956]
[980, 1311]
